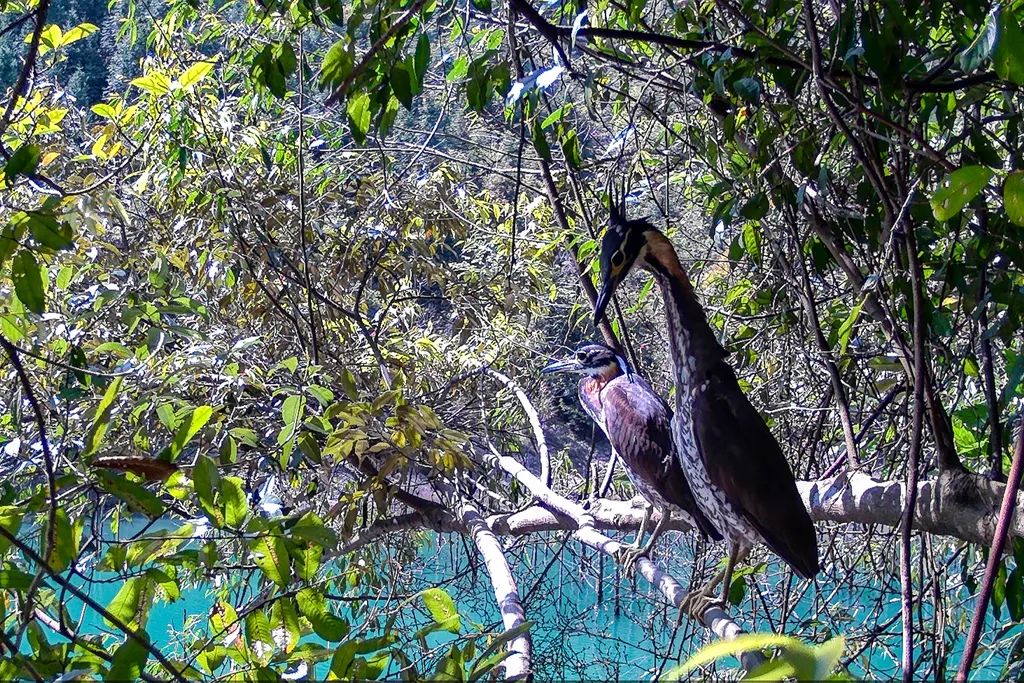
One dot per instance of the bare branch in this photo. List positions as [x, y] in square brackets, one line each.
[517, 664]
[534, 418]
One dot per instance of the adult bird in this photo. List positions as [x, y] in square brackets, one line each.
[734, 465]
[637, 423]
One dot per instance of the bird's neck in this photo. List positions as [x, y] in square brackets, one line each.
[693, 343]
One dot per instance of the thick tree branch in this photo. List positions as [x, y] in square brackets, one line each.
[517, 664]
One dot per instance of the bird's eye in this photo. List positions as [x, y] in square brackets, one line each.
[618, 258]
[581, 357]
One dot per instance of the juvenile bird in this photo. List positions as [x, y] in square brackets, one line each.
[637, 423]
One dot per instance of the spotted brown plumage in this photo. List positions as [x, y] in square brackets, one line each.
[735, 467]
[637, 423]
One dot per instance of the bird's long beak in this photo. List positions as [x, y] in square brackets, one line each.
[603, 297]
[567, 365]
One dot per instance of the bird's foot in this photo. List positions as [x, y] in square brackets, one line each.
[696, 603]
[628, 556]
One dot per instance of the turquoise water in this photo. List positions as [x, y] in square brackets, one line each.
[590, 621]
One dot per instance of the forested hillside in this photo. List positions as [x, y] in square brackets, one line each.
[278, 279]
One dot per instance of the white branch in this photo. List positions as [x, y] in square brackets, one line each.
[533, 417]
[715, 619]
[517, 664]
[963, 506]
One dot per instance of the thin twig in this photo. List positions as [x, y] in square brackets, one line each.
[70, 587]
[995, 557]
[301, 172]
[359, 68]
[906, 528]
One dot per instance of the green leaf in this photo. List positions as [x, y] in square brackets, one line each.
[78, 32]
[28, 282]
[752, 241]
[846, 329]
[9, 240]
[271, 555]
[756, 208]
[311, 528]
[196, 420]
[747, 642]
[421, 60]
[401, 84]
[138, 498]
[23, 162]
[442, 609]
[102, 419]
[958, 188]
[1013, 197]
[291, 413]
[128, 662]
[540, 142]
[999, 590]
[258, 636]
[46, 229]
[359, 116]
[236, 505]
[206, 480]
[1015, 593]
[1008, 60]
[337, 64]
[131, 604]
[272, 66]
[749, 89]
[571, 149]
[284, 621]
[307, 559]
[313, 606]
[167, 583]
[984, 42]
[154, 82]
[104, 110]
[10, 520]
[13, 579]
[483, 664]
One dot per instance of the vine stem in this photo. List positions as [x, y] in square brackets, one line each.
[995, 557]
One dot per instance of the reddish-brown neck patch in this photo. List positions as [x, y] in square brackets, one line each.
[593, 385]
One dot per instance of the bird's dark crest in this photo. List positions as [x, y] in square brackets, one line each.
[617, 206]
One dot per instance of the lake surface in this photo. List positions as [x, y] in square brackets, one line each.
[591, 622]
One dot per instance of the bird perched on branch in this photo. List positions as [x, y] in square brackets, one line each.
[734, 465]
[637, 423]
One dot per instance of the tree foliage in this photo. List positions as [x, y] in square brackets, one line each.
[253, 256]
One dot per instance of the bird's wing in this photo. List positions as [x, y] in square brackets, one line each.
[743, 458]
[638, 425]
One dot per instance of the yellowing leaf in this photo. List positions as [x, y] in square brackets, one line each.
[196, 73]
[442, 609]
[155, 82]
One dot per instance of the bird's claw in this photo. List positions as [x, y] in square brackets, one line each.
[697, 603]
[629, 555]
